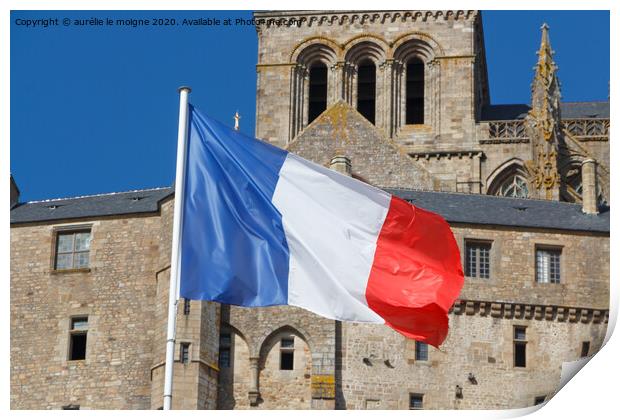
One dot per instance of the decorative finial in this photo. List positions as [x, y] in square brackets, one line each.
[237, 118]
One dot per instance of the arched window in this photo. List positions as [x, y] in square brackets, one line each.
[414, 113]
[317, 92]
[366, 89]
[513, 186]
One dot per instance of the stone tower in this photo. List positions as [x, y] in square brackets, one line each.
[418, 76]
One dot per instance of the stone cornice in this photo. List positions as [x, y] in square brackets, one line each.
[528, 311]
[309, 18]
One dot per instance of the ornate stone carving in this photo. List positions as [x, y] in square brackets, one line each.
[542, 125]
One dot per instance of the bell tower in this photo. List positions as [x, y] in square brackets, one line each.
[418, 76]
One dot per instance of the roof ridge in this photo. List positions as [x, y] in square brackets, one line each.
[480, 195]
[48, 200]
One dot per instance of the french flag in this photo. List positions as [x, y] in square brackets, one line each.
[264, 227]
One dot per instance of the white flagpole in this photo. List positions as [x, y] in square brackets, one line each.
[173, 297]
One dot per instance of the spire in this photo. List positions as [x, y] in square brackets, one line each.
[543, 124]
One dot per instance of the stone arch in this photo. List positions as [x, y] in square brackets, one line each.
[362, 46]
[503, 173]
[232, 392]
[287, 368]
[315, 51]
[288, 327]
[416, 43]
[424, 95]
[316, 48]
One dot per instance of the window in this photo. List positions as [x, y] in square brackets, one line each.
[224, 353]
[519, 347]
[548, 265]
[317, 91]
[186, 306]
[514, 186]
[366, 84]
[71, 407]
[72, 250]
[77, 338]
[585, 348]
[414, 113]
[539, 400]
[478, 261]
[184, 356]
[421, 351]
[416, 401]
[287, 351]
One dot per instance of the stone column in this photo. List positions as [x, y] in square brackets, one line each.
[588, 186]
[341, 164]
[254, 393]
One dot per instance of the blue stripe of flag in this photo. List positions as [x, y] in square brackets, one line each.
[233, 247]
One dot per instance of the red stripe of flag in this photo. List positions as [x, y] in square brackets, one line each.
[416, 274]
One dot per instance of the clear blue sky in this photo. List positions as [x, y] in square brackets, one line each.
[94, 109]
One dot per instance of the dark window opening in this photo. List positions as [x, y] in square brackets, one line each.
[519, 347]
[184, 356]
[539, 400]
[71, 407]
[286, 360]
[317, 92]
[585, 348]
[416, 401]
[224, 353]
[421, 351]
[224, 359]
[186, 306]
[77, 349]
[77, 338]
[414, 113]
[288, 343]
[366, 90]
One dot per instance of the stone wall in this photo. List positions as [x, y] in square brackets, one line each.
[118, 296]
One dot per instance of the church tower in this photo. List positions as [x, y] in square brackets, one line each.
[418, 76]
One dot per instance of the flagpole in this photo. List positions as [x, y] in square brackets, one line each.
[173, 295]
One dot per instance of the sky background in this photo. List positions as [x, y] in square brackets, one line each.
[95, 109]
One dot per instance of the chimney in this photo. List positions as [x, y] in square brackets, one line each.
[341, 164]
[14, 193]
[589, 187]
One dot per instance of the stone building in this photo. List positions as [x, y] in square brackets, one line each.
[396, 99]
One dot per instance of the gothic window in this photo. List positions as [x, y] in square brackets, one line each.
[513, 186]
[414, 113]
[317, 93]
[366, 90]
[585, 348]
[548, 265]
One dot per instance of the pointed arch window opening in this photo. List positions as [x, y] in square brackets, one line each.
[514, 186]
[366, 89]
[317, 91]
[414, 92]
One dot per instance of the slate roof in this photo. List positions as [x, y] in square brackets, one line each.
[503, 211]
[569, 110]
[129, 202]
[454, 207]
